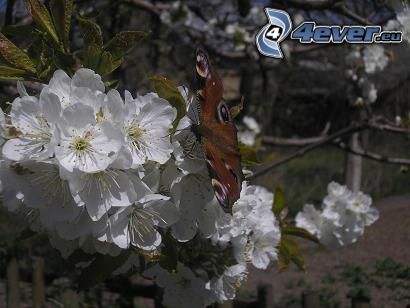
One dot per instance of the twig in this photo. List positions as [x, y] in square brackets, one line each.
[389, 128]
[337, 6]
[343, 132]
[271, 140]
[310, 5]
[341, 8]
[374, 156]
[296, 141]
[145, 5]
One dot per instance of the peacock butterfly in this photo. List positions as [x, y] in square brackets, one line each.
[217, 134]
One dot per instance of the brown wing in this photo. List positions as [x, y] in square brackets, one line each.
[219, 135]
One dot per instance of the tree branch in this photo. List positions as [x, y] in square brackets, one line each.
[341, 8]
[145, 5]
[341, 133]
[374, 156]
[296, 141]
[388, 127]
[337, 6]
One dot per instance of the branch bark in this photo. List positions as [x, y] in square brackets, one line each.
[341, 133]
[374, 156]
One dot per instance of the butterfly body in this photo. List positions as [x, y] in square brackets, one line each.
[217, 133]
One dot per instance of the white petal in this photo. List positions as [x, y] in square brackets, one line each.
[50, 106]
[78, 116]
[21, 89]
[85, 77]
[60, 84]
[114, 105]
[23, 114]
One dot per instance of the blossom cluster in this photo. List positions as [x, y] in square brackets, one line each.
[249, 131]
[104, 174]
[222, 28]
[342, 218]
[362, 63]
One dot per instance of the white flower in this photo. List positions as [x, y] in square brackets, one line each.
[147, 129]
[137, 224]
[49, 193]
[225, 286]
[112, 109]
[253, 229]
[374, 58]
[370, 91]
[262, 248]
[188, 151]
[35, 121]
[404, 19]
[86, 87]
[85, 144]
[343, 217]
[309, 219]
[99, 191]
[251, 124]
[195, 198]
[181, 288]
[248, 134]
[247, 137]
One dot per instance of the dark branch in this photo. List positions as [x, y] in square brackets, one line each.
[374, 156]
[144, 5]
[271, 140]
[341, 133]
[337, 6]
[342, 9]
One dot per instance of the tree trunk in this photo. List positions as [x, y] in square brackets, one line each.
[354, 164]
[13, 289]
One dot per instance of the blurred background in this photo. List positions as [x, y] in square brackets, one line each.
[301, 104]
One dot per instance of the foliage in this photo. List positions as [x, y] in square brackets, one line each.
[50, 48]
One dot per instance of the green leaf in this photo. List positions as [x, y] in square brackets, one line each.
[119, 45]
[279, 202]
[91, 32]
[14, 55]
[299, 232]
[288, 251]
[237, 108]
[168, 90]
[10, 71]
[19, 30]
[100, 269]
[248, 156]
[112, 84]
[61, 11]
[11, 78]
[42, 18]
[92, 56]
[64, 61]
[108, 64]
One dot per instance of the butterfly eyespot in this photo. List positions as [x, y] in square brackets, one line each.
[235, 177]
[223, 113]
[221, 191]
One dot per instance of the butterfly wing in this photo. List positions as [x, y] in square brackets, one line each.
[218, 134]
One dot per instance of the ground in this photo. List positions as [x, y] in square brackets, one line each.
[386, 243]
